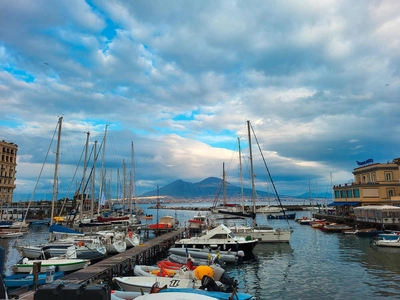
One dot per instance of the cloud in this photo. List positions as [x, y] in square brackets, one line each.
[318, 80]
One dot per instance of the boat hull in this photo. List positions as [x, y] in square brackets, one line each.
[18, 280]
[265, 235]
[64, 265]
[137, 283]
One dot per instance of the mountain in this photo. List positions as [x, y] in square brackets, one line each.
[210, 187]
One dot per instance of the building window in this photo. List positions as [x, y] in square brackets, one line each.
[337, 194]
[356, 193]
[373, 177]
[364, 180]
[390, 193]
[388, 176]
[349, 194]
[342, 194]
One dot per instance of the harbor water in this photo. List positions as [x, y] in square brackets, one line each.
[314, 265]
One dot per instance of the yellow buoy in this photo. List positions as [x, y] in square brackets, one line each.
[200, 271]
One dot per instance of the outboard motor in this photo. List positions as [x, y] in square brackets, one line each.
[209, 284]
[222, 276]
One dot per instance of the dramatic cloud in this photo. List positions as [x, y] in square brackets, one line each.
[319, 81]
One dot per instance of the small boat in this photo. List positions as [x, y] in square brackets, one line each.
[336, 228]
[387, 243]
[165, 223]
[10, 235]
[197, 262]
[171, 265]
[290, 216]
[145, 283]
[18, 280]
[213, 294]
[41, 222]
[175, 295]
[62, 264]
[147, 217]
[189, 279]
[226, 256]
[144, 270]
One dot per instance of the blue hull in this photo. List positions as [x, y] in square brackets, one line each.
[18, 280]
[217, 295]
[287, 216]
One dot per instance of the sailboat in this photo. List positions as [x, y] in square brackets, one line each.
[265, 234]
[61, 247]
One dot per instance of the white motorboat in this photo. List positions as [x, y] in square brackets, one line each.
[221, 238]
[11, 235]
[62, 264]
[85, 248]
[174, 295]
[145, 283]
[387, 242]
[188, 279]
[262, 235]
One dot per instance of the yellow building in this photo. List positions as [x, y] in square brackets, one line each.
[8, 164]
[374, 184]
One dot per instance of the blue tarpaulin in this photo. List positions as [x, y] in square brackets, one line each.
[344, 204]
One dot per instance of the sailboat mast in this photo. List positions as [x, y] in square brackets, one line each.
[93, 179]
[55, 187]
[102, 195]
[83, 177]
[241, 175]
[224, 182]
[253, 198]
[130, 182]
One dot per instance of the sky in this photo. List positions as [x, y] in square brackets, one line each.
[178, 80]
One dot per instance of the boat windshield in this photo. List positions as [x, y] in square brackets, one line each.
[231, 235]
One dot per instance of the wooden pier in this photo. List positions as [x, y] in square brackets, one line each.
[117, 265]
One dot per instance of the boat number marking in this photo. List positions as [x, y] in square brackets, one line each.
[174, 283]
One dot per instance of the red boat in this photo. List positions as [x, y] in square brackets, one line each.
[166, 223]
[170, 265]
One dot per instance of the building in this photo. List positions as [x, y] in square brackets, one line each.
[374, 184]
[8, 163]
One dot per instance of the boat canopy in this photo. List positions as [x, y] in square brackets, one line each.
[344, 204]
[64, 230]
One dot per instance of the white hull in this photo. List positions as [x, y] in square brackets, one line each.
[116, 247]
[263, 235]
[65, 265]
[137, 283]
[174, 295]
[220, 237]
[388, 243]
[132, 241]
